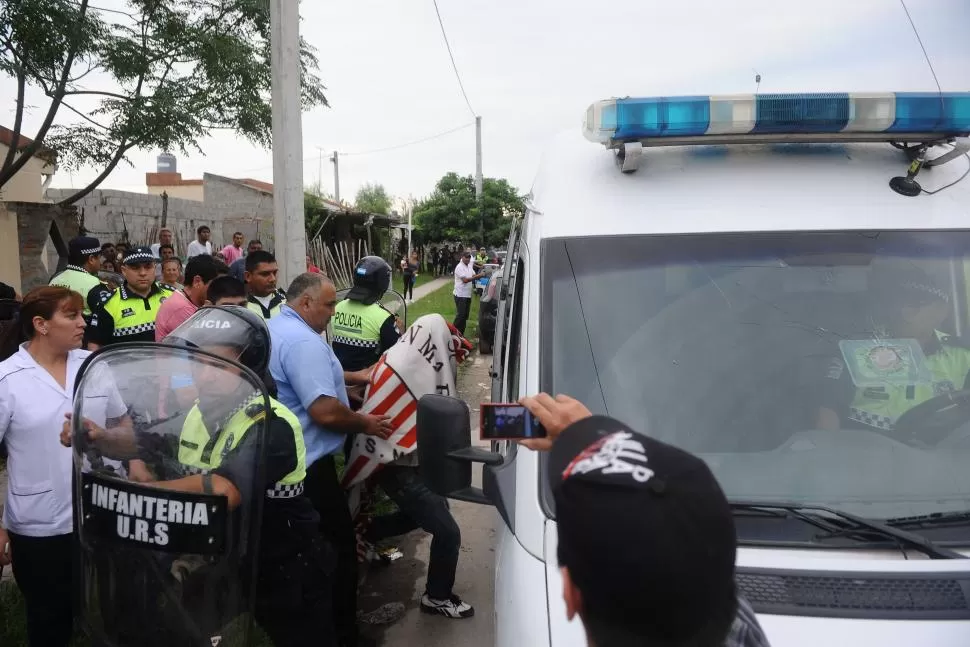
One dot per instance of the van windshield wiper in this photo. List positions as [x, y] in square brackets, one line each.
[929, 520]
[853, 525]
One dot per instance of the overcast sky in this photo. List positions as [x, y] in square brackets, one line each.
[531, 67]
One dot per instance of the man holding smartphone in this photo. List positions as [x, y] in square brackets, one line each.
[664, 573]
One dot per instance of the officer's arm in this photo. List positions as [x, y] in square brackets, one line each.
[97, 295]
[102, 327]
[221, 486]
[389, 333]
[280, 456]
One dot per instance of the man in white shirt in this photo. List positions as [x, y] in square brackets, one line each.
[202, 245]
[164, 238]
[465, 278]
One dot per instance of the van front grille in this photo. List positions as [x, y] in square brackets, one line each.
[857, 595]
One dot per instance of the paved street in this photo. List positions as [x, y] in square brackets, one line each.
[403, 580]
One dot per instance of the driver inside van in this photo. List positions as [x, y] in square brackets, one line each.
[905, 359]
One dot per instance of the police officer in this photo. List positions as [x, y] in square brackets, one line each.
[906, 305]
[81, 273]
[363, 329]
[293, 599]
[215, 450]
[265, 299]
[129, 313]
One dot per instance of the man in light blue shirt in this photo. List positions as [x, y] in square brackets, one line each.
[312, 385]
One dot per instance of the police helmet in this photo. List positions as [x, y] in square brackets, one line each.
[372, 278]
[227, 326]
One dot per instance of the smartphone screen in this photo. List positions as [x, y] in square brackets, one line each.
[508, 421]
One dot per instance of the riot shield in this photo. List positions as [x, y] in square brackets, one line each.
[392, 301]
[168, 451]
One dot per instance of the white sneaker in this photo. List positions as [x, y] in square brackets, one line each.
[453, 607]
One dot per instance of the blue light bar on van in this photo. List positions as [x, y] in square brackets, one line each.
[899, 113]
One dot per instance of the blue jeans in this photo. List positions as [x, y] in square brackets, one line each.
[419, 507]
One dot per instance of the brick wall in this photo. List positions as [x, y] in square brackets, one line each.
[229, 206]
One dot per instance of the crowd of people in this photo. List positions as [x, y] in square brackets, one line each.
[318, 392]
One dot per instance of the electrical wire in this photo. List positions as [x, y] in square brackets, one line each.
[410, 143]
[956, 181]
[923, 47]
[374, 150]
[452, 57]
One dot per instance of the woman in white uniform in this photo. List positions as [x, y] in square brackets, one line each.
[36, 386]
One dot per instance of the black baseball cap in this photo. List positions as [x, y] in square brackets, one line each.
[136, 255]
[645, 530]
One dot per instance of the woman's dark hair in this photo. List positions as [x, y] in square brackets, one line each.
[40, 302]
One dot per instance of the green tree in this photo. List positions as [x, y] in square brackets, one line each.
[451, 211]
[372, 198]
[152, 74]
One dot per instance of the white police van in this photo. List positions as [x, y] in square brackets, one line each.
[777, 265]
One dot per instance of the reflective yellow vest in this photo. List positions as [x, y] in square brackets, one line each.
[133, 315]
[357, 324]
[77, 279]
[882, 406]
[275, 304]
[201, 452]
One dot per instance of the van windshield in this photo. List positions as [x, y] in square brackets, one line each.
[820, 368]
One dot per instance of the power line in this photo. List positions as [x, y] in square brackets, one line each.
[374, 150]
[411, 143]
[452, 57]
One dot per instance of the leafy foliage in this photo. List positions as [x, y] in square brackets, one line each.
[451, 213]
[157, 74]
[372, 198]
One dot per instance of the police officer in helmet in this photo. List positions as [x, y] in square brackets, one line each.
[363, 329]
[294, 563]
[232, 442]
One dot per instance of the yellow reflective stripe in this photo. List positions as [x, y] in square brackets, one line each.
[196, 449]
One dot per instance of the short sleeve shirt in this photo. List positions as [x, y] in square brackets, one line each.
[305, 368]
[463, 271]
[32, 408]
[175, 310]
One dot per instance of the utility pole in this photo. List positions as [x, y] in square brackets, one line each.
[320, 173]
[479, 181]
[289, 221]
[336, 176]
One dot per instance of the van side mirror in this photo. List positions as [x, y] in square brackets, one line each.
[445, 450]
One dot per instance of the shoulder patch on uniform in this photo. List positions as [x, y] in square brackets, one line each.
[256, 411]
[953, 340]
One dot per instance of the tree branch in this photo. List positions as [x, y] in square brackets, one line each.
[84, 116]
[17, 120]
[123, 148]
[31, 149]
[97, 93]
